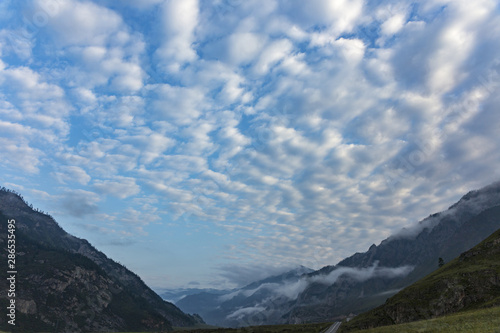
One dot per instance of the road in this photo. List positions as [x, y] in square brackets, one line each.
[334, 327]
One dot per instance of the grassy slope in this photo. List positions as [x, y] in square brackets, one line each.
[464, 275]
[474, 321]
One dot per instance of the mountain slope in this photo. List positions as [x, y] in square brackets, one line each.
[242, 306]
[445, 235]
[175, 295]
[364, 280]
[57, 268]
[470, 281]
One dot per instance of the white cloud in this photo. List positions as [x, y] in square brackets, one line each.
[393, 24]
[82, 23]
[72, 173]
[445, 63]
[272, 54]
[177, 104]
[274, 122]
[180, 18]
[339, 16]
[244, 47]
[34, 95]
[21, 155]
[240, 313]
[120, 187]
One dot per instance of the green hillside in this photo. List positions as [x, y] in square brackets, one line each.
[471, 281]
[474, 321]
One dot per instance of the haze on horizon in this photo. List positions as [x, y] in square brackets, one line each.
[212, 143]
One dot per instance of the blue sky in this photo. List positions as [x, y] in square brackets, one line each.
[210, 143]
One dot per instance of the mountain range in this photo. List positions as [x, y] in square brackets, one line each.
[232, 308]
[64, 284]
[67, 285]
[361, 281]
[469, 282]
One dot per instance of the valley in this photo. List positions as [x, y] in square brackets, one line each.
[69, 284]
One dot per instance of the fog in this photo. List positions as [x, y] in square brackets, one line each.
[292, 289]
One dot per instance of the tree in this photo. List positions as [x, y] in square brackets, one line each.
[440, 262]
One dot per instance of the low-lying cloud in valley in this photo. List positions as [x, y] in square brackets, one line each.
[291, 289]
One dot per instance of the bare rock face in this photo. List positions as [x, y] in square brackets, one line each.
[66, 285]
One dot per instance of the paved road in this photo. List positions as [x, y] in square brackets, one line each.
[333, 328]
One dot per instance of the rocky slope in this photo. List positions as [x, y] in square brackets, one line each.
[66, 284]
[468, 282]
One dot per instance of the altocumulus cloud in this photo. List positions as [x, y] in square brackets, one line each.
[283, 131]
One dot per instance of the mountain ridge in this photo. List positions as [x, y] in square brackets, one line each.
[42, 233]
[445, 234]
[220, 308]
[365, 280]
[470, 281]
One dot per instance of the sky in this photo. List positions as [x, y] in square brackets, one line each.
[211, 143]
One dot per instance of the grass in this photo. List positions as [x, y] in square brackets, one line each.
[474, 321]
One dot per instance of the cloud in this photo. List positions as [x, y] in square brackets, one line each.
[120, 187]
[244, 47]
[300, 132]
[271, 55]
[241, 275]
[77, 23]
[180, 18]
[471, 204]
[292, 289]
[338, 16]
[72, 173]
[79, 203]
[241, 313]
[177, 104]
[22, 156]
[42, 104]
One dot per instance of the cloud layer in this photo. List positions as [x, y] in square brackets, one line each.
[260, 131]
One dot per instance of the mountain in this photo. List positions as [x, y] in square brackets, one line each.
[471, 281]
[65, 284]
[175, 295]
[243, 306]
[362, 281]
[405, 257]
